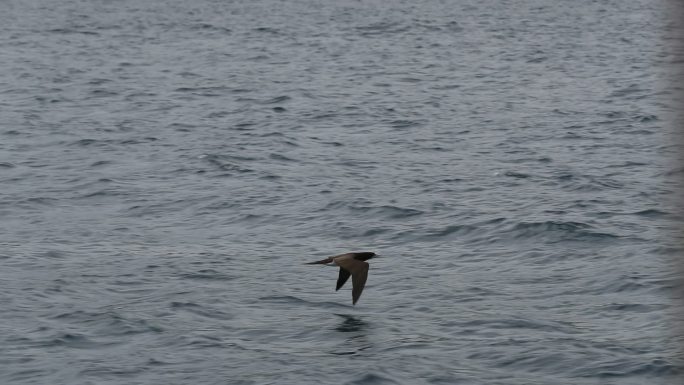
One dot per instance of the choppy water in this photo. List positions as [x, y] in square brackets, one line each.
[168, 166]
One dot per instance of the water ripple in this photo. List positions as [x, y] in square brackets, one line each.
[168, 167]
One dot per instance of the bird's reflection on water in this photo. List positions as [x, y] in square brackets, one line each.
[357, 339]
[351, 324]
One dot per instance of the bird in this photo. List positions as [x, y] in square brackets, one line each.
[351, 264]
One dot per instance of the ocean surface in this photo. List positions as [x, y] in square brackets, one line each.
[167, 168]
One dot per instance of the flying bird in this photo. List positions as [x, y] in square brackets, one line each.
[351, 264]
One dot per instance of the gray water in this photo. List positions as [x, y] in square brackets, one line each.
[167, 168]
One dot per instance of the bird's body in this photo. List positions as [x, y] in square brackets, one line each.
[351, 264]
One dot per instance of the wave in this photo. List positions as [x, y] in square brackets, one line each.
[200, 310]
[658, 367]
[372, 379]
[207, 274]
[292, 300]
[380, 212]
[559, 231]
[108, 323]
[78, 341]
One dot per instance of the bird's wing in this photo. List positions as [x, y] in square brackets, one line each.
[359, 273]
[344, 276]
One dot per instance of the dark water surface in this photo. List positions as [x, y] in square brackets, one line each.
[166, 168]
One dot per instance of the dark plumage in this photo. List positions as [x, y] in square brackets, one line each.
[351, 264]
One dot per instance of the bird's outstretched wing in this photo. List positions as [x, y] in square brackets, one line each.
[343, 277]
[359, 272]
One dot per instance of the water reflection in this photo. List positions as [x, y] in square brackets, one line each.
[357, 338]
[351, 324]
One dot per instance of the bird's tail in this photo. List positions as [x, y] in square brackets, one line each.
[321, 262]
